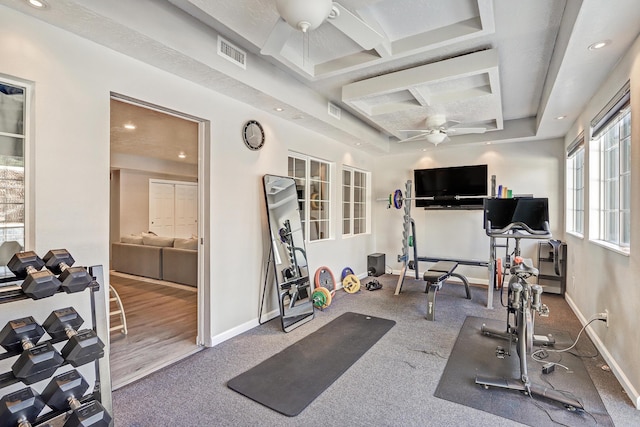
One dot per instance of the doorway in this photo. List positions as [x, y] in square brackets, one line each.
[164, 305]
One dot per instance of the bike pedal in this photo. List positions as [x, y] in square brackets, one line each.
[500, 352]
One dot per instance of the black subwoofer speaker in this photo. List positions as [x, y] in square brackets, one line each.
[375, 264]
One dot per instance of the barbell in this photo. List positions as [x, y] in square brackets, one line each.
[397, 199]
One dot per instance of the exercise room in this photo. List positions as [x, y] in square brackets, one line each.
[286, 213]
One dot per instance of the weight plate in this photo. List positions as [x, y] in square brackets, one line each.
[397, 199]
[499, 273]
[410, 241]
[321, 297]
[345, 272]
[351, 284]
[324, 278]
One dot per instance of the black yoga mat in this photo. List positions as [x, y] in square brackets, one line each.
[290, 380]
[475, 354]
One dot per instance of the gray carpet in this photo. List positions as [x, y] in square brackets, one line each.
[393, 384]
[290, 380]
[474, 355]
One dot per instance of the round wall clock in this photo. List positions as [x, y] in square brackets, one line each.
[253, 135]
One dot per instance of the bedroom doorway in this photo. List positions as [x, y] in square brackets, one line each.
[158, 274]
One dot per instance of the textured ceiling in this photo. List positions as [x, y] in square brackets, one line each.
[157, 134]
[542, 66]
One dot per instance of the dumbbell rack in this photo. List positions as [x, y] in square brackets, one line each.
[10, 293]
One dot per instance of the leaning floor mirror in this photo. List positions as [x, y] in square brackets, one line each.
[289, 254]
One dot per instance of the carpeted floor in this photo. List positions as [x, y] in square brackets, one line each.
[393, 384]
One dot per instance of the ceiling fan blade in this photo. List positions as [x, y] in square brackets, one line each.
[415, 137]
[425, 131]
[449, 123]
[277, 38]
[355, 28]
[462, 131]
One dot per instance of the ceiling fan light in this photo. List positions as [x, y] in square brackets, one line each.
[304, 15]
[436, 137]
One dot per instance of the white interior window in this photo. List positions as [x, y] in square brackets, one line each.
[13, 138]
[355, 203]
[610, 170]
[313, 183]
[575, 187]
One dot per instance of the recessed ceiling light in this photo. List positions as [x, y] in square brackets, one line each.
[182, 155]
[358, 143]
[599, 45]
[561, 117]
[487, 143]
[279, 109]
[129, 126]
[38, 4]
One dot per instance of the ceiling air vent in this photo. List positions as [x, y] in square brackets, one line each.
[334, 111]
[232, 53]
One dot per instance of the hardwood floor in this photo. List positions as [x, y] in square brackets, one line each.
[162, 327]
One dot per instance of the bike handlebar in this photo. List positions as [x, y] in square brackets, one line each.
[520, 226]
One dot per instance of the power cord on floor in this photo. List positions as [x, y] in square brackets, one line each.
[534, 355]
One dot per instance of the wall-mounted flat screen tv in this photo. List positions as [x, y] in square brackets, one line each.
[451, 187]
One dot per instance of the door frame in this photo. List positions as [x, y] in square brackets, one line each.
[204, 212]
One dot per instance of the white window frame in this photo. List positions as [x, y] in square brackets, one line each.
[315, 203]
[353, 196]
[575, 180]
[24, 238]
[610, 174]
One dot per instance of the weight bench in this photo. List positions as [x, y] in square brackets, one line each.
[435, 277]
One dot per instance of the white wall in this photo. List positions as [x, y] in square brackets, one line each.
[601, 279]
[134, 200]
[459, 234]
[73, 80]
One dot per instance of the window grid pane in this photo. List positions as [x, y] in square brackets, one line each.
[575, 192]
[346, 202]
[13, 108]
[313, 185]
[354, 195]
[615, 179]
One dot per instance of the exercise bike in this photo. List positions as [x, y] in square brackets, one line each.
[521, 219]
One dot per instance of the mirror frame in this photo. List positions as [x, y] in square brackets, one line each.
[291, 273]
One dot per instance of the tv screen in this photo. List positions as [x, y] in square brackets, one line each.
[446, 184]
[531, 211]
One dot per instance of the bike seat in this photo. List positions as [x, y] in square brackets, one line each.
[522, 267]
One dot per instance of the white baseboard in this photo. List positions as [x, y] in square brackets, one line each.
[615, 367]
[220, 338]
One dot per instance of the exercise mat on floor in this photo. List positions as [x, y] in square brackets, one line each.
[475, 354]
[290, 380]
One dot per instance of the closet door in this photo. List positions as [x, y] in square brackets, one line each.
[186, 218]
[161, 209]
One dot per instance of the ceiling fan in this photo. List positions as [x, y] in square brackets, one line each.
[438, 130]
[306, 15]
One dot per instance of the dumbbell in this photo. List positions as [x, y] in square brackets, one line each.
[37, 361]
[65, 391]
[37, 283]
[83, 346]
[20, 408]
[74, 279]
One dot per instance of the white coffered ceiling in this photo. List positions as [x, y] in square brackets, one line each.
[508, 66]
